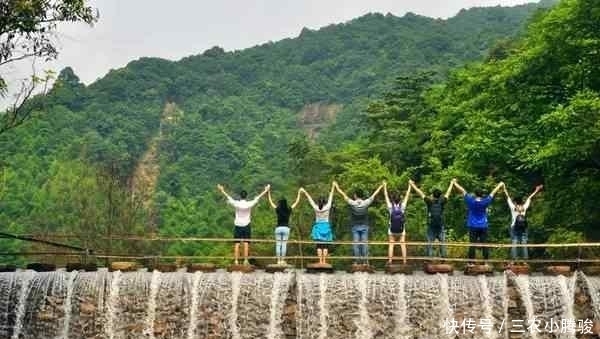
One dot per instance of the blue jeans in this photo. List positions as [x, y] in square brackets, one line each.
[439, 234]
[282, 234]
[518, 238]
[360, 233]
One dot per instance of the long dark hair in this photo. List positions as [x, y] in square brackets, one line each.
[321, 202]
[282, 207]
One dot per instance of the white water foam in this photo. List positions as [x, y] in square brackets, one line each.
[236, 278]
[21, 304]
[68, 304]
[111, 305]
[194, 305]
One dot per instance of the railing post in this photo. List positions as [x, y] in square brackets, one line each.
[578, 258]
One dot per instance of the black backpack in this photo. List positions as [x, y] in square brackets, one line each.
[520, 223]
[396, 219]
[436, 209]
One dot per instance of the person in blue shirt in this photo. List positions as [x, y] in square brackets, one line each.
[477, 216]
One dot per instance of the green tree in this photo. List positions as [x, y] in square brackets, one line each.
[27, 30]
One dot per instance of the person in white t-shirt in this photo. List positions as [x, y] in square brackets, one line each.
[396, 230]
[518, 224]
[242, 230]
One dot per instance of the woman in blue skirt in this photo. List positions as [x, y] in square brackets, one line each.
[321, 231]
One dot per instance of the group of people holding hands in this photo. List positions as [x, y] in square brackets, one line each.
[477, 219]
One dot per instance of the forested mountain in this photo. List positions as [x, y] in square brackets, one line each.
[142, 149]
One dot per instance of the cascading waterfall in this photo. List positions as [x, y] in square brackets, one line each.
[151, 315]
[593, 287]
[281, 284]
[399, 313]
[322, 307]
[235, 293]
[567, 289]
[505, 304]
[68, 304]
[194, 305]
[522, 283]
[445, 310]
[487, 305]
[113, 299]
[277, 306]
[363, 322]
[21, 303]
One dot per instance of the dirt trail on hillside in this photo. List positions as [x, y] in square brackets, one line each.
[147, 171]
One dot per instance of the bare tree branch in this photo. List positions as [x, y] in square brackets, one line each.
[18, 112]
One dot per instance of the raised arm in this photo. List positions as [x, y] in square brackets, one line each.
[459, 187]
[509, 201]
[497, 188]
[330, 198]
[372, 197]
[222, 190]
[537, 189]
[385, 193]
[447, 195]
[297, 200]
[419, 192]
[507, 194]
[340, 191]
[405, 201]
[271, 200]
[528, 201]
[309, 198]
[265, 191]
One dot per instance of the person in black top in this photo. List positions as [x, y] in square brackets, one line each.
[435, 221]
[282, 231]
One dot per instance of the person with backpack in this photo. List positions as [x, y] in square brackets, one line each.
[518, 225]
[282, 231]
[359, 220]
[435, 221]
[397, 230]
[321, 231]
[242, 230]
[477, 216]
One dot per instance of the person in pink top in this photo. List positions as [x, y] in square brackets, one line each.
[242, 230]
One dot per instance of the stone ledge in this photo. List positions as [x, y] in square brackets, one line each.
[319, 268]
[517, 269]
[8, 268]
[478, 269]
[559, 270]
[123, 266]
[272, 268]
[241, 268]
[438, 268]
[361, 268]
[202, 267]
[166, 268]
[76, 266]
[41, 267]
[399, 269]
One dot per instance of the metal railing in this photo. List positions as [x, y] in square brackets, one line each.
[85, 252]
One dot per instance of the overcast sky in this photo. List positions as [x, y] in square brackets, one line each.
[130, 29]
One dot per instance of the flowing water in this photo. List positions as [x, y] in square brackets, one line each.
[178, 305]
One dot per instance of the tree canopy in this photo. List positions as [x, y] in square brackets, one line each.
[492, 94]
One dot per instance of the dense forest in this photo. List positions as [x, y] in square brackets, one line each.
[492, 94]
